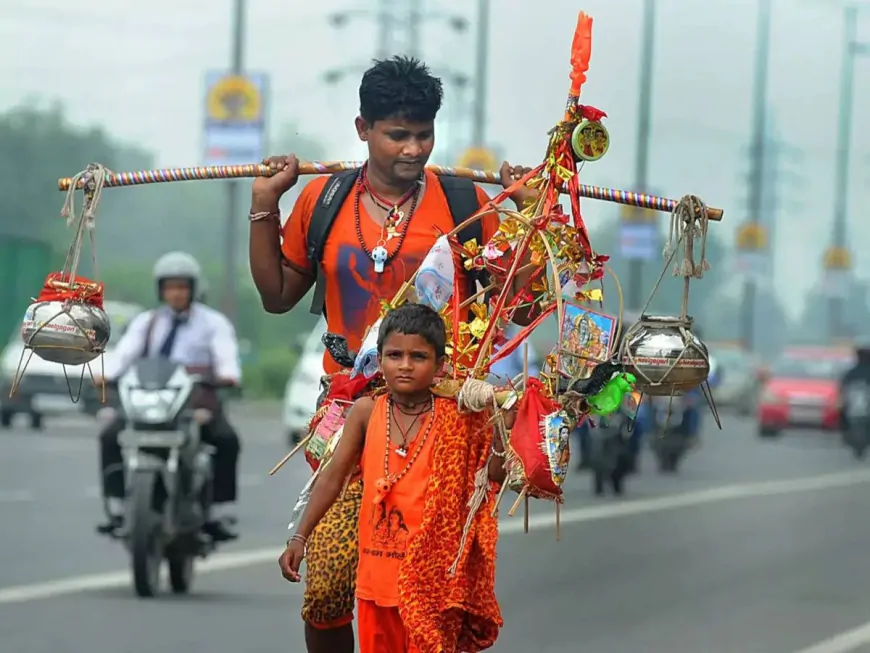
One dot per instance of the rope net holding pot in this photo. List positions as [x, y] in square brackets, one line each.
[66, 323]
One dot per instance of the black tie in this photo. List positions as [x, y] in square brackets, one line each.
[166, 348]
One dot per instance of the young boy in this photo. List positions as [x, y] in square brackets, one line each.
[420, 460]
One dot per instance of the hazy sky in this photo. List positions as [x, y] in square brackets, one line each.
[138, 69]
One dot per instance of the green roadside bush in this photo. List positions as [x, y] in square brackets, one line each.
[266, 377]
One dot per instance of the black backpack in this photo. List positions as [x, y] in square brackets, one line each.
[461, 201]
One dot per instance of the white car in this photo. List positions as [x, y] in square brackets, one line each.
[303, 387]
[49, 388]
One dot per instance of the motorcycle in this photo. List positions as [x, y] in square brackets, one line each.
[168, 472]
[609, 452]
[856, 410]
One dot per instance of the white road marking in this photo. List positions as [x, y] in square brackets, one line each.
[15, 496]
[850, 640]
[241, 559]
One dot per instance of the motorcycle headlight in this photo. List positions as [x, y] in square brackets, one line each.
[142, 399]
[202, 416]
[149, 405]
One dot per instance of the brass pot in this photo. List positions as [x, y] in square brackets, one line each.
[664, 355]
[65, 332]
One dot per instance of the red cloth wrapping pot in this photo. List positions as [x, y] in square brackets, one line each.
[58, 289]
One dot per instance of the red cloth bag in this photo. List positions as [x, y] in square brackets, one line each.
[530, 466]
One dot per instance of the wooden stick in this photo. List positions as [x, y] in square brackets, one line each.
[163, 175]
[292, 453]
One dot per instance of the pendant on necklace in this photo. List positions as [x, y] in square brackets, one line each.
[400, 451]
[394, 218]
[379, 258]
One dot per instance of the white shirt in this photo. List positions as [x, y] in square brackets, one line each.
[206, 339]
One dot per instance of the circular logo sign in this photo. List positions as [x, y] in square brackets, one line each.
[478, 158]
[234, 99]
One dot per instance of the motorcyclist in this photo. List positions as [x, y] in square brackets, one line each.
[857, 375]
[192, 334]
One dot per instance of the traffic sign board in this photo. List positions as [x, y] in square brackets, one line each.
[638, 240]
[235, 118]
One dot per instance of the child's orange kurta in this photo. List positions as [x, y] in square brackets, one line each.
[409, 541]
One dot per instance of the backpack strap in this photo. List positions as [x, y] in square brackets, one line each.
[462, 201]
[328, 204]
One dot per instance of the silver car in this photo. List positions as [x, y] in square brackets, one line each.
[739, 385]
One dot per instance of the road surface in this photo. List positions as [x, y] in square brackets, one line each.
[755, 547]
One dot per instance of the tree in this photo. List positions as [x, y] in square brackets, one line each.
[813, 326]
[667, 299]
[41, 146]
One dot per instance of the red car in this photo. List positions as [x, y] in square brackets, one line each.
[802, 391]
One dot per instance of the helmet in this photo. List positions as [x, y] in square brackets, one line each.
[178, 265]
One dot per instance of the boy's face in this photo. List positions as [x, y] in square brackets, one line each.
[409, 363]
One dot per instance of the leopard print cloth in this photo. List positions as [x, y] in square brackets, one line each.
[331, 560]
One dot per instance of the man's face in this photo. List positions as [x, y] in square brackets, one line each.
[176, 293]
[398, 148]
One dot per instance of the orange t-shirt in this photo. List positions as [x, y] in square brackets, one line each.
[353, 289]
[386, 528]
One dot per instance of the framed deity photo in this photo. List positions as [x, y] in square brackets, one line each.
[585, 339]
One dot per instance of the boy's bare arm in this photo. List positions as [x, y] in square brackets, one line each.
[335, 473]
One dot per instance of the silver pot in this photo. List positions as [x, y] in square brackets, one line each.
[66, 332]
[665, 356]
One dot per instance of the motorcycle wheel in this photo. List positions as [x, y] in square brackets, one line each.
[180, 572]
[144, 533]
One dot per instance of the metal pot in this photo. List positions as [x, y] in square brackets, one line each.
[66, 332]
[664, 355]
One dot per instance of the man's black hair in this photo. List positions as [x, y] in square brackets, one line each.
[399, 87]
[415, 320]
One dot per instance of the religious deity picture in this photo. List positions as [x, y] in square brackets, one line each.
[585, 339]
[556, 445]
[332, 423]
[590, 140]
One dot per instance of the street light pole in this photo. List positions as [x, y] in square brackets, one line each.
[759, 142]
[641, 173]
[229, 298]
[841, 174]
[481, 74]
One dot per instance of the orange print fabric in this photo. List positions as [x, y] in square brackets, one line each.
[409, 540]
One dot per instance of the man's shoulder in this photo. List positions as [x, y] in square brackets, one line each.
[314, 188]
[142, 318]
[211, 315]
